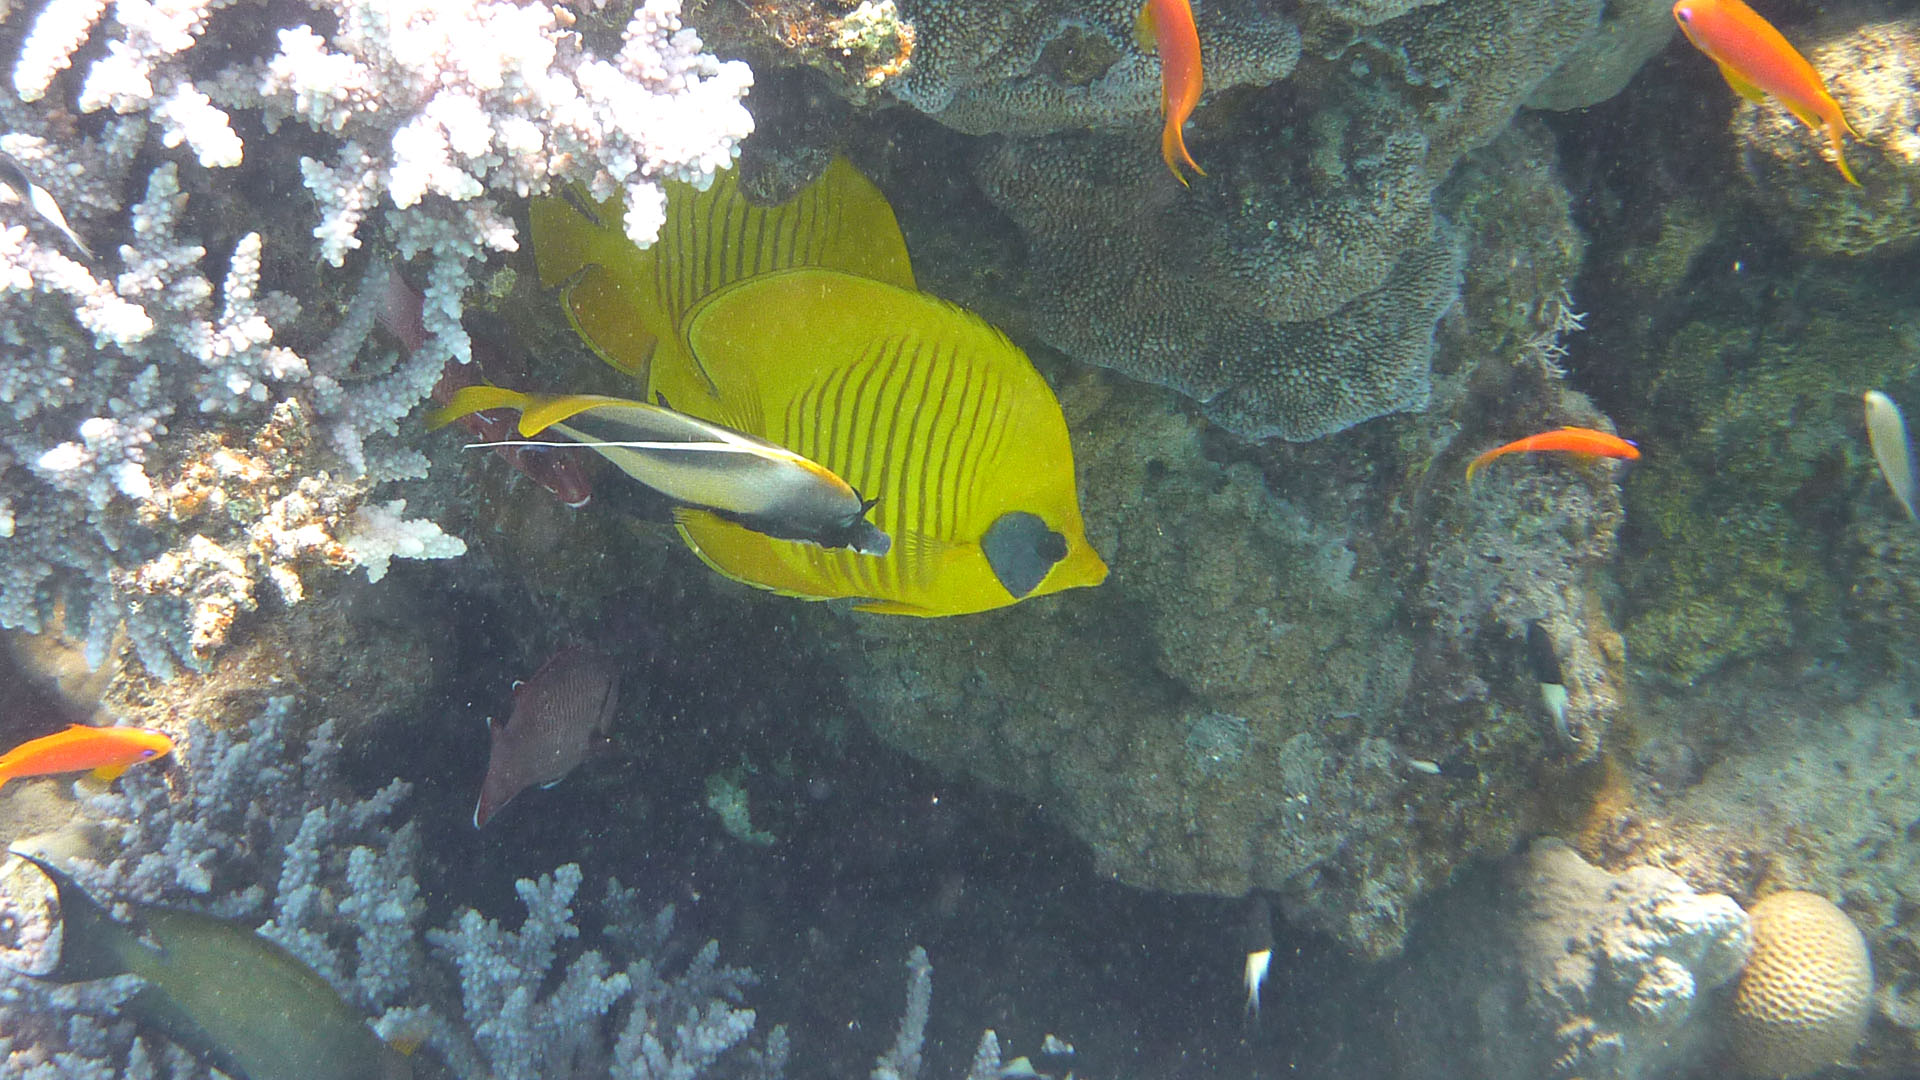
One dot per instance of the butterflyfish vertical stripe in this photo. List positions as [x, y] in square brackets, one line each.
[861, 416]
[965, 456]
[956, 455]
[983, 443]
[713, 266]
[949, 410]
[788, 240]
[740, 219]
[882, 407]
[905, 467]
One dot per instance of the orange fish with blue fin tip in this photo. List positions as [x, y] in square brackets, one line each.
[1757, 61]
[107, 751]
[1167, 25]
[799, 324]
[1567, 440]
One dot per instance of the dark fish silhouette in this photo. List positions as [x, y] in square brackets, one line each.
[558, 716]
[243, 1004]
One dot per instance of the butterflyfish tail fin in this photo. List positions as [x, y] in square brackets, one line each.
[472, 399]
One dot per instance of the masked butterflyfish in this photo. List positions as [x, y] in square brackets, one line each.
[623, 299]
[734, 476]
[924, 407]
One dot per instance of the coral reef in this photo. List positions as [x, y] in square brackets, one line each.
[1805, 786]
[1803, 999]
[1550, 967]
[1731, 546]
[1287, 633]
[124, 376]
[1873, 69]
[264, 807]
[1295, 291]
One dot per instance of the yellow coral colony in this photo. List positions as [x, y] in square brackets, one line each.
[1804, 998]
[800, 324]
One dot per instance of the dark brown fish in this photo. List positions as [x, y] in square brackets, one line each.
[558, 716]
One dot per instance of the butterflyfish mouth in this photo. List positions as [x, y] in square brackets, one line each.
[1022, 550]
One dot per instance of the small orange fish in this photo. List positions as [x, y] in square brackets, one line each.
[1571, 440]
[1169, 25]
[108, 751]
[1757, 61]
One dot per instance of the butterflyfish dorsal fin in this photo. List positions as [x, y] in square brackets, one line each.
[917, 404]
[628, 302]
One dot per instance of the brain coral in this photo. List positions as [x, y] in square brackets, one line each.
[1805, 996]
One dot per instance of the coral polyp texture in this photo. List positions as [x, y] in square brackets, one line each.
[1293, 290]
[131, 380]
[1806, 994]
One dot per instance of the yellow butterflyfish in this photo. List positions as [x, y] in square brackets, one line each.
[922, 406]
[800, 325]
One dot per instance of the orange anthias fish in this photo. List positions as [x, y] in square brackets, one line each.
[108, 751]
[1569, 440]
[1169, 25]
[1757, 61]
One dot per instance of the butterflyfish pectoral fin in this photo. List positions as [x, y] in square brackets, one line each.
[108, 772]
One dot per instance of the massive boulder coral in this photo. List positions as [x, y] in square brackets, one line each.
[1294, 290]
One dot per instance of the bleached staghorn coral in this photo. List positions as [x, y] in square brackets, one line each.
[109, 368]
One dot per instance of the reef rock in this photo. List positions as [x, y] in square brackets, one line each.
[1873, 70]
[1550, 967]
